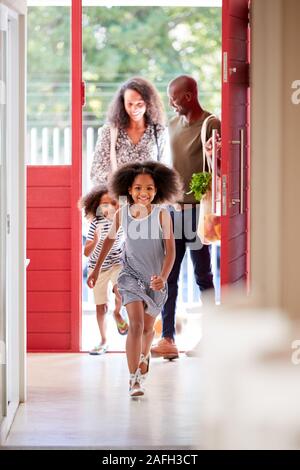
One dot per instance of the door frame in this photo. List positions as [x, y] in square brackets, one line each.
[12, 209]
[15, 349]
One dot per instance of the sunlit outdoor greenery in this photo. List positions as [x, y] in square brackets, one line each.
[119, 42]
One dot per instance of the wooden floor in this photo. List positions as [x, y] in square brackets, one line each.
[77, 400]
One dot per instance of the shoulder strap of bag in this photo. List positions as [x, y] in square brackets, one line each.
[156, 140]
[113, 140]
[203, 141]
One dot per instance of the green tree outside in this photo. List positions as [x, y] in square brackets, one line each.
[119, 42]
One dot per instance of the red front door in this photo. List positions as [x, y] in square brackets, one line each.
[235, 143]
[54, 234]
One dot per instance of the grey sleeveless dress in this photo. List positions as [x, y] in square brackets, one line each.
[143, 255]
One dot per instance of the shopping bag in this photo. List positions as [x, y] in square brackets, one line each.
[209, 223]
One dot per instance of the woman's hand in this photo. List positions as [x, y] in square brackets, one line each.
[209, 145]
[157, 282]
[92, 279]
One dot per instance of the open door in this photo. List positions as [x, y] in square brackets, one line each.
[54, 224]
[235, 143]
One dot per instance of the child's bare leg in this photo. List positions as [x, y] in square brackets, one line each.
[148, 335]
[135, 312]
[101, 319]
[118, 304]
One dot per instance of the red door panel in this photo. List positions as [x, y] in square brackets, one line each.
[49, 250]
[237, 8]
[43, 260]
[237, 50]
[39, 324]
[49, 197]
[42, 178]
[235, 145]
[49, 302]
[58, 281]
[45, 217]
[48, 239]
[48, 341]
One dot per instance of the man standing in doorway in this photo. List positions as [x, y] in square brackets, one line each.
[187, 158]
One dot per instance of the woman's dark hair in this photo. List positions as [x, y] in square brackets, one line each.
[90, 202]
[167, 181]
[117, 115]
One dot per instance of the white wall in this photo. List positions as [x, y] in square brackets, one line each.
[266, 151]
[290, 221]
[275, 164]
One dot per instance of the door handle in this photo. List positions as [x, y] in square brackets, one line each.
[214, 172]
[242, 172]
[241, 143]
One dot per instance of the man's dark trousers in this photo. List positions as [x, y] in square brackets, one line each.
[185, 224]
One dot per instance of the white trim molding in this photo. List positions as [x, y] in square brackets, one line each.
[2, 92]
[3, 17]
[18, 6]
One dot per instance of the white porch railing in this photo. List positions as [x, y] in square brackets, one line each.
[49, 146]
[52, 146]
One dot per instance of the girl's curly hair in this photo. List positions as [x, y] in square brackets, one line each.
[117, 115]
[90, 202]
[167, 181]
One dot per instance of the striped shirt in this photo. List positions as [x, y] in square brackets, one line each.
[103, 225]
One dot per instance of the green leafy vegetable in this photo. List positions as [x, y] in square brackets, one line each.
[200, 184]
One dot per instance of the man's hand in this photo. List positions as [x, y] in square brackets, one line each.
[209, 145]
[92, 279]
[157, 282]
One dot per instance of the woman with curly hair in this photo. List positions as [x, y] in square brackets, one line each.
[135, 130]
[148, 255]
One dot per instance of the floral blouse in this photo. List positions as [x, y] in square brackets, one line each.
[126, 150]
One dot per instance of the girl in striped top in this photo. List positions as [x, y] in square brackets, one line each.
[100, 207]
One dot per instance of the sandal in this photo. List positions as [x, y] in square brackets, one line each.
[122, 327]
[100, 349]
[136, 388]
[145, 360]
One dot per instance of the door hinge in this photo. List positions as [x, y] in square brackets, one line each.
[82, 93]
[224, 194]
